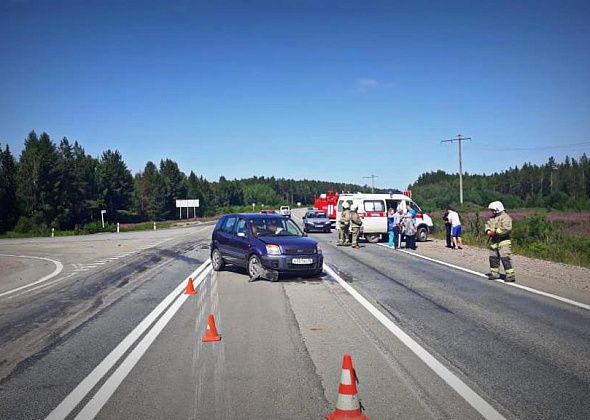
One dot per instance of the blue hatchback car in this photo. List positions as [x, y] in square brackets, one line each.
[266, 245]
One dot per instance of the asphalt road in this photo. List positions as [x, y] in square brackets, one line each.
[519, 354]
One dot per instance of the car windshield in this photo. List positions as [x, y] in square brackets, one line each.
[275, 227]
[316, 215]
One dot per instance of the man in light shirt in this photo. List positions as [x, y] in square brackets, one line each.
[453, 217]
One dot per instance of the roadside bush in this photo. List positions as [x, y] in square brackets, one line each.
[96, 227]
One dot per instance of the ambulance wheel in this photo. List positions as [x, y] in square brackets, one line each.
[422, 234]
[372, 237]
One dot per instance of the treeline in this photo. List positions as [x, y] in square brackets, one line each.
[62, 186]
[561, 186]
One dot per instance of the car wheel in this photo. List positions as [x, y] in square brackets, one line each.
[372, 237]
[422, 234]
[254, 267]
[217, 260]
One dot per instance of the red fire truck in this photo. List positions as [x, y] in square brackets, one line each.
[328, 203]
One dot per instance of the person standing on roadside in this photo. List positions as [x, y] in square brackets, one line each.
[453, 217]
[343, 233]
[397, 223]
[390, 226]
[409, 230]
[447, 227]
[498, 228]
[355, 225]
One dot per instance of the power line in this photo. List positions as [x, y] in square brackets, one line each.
[516, 149]
[459, 139]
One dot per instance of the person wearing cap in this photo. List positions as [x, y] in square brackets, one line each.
[498, 229]
[343, 233]
[355, 225]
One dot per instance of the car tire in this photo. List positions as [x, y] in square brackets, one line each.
[254, 265]
[372, 237]
[217, 262]
[422, 234]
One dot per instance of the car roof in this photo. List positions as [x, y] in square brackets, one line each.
[257, 215]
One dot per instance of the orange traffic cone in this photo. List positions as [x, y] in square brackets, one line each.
[211, 333]
[348, 406]
[190, 289]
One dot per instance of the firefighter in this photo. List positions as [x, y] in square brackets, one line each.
[355, 225]
[498, 229]
[343, 233]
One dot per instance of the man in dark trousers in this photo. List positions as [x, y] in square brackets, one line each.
[448, 227]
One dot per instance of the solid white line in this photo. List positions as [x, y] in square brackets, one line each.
[438, 261]
[477, 402]
[519, 286]
[58, 268]
[84, 387]
[112, 383]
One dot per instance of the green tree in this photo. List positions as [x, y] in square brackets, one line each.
[114, 182]
[38, 179]
[149, 195]
[173, 186]
[8, 204]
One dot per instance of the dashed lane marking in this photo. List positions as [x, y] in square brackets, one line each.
[477, 402]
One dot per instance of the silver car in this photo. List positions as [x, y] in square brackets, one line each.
[315, 220]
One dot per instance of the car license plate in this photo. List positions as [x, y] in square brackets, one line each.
[302, 260]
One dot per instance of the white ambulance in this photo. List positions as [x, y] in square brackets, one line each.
[372, 208]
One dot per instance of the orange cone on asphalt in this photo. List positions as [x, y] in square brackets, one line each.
[211, 333]
[348, 406]
[190, 289]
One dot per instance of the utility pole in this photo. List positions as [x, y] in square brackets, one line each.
[459, 139]
[372, 181]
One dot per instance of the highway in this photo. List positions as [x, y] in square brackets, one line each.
[99, 327]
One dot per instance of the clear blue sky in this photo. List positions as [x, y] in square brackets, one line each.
[329, 90]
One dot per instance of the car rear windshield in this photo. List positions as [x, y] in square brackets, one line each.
[275, 227]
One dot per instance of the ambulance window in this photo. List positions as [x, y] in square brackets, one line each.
[415, 207]
[393, 204]
[374, 205]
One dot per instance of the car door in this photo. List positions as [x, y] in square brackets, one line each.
[225, 237]
[241, 243]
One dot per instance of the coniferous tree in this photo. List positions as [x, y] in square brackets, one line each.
[173, 186]
[8, 204]
[114, 183]
[38, 179]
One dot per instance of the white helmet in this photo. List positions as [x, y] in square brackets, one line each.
[496, 206]
[345, 205]
[354, 207]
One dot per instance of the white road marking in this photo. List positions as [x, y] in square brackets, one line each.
[43, 286]
[477, 402]
[58, 268]
[519, 286]
[112, 383]
[84, 387]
